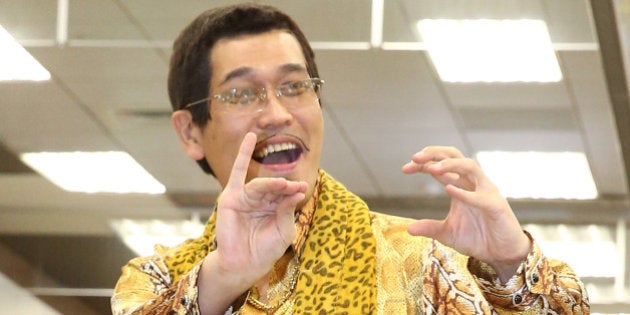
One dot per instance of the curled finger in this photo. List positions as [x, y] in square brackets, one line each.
[436, 154]
[462, 172]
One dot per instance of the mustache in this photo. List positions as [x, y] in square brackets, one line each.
[298, 139]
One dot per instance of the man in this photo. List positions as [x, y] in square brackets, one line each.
[285, 237]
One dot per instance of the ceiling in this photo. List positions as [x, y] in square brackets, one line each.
[383, 101]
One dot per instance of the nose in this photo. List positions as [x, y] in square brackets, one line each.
[273, 114]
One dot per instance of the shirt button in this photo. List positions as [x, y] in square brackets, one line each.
[517, 299]
[535, 278]
[184, 300]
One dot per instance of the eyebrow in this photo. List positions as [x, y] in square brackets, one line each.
[244, 71]
[237, 73]
[292, 67]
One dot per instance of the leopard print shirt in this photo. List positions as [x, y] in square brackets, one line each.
[413, 275]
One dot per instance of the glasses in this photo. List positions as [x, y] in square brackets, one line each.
[251, 100]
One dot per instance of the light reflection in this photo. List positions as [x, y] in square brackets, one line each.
[589, 249]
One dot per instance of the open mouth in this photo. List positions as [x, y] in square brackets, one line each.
[278, 153]
[285, 152]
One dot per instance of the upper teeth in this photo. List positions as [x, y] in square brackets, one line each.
[271, 148]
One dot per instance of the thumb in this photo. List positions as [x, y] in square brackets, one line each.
[429, 228]
[285, 217]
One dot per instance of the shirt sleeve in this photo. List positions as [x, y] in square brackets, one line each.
[145, 287]
[540, 284]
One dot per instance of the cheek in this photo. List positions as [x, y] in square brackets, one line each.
[225, 132]
[317, 125]
[314, 125]
[221, 146]
[312, 118]
[225, 137]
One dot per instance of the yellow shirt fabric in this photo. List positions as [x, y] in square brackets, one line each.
[411, 275]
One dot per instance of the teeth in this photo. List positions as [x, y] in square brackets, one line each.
[272, 148]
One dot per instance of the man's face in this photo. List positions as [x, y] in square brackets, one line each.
[294, 132]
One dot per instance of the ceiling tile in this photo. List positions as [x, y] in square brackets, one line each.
[43, 117]
[508, 95]
[493, 118]
[96, 19]
[29, 19]
[525, 140]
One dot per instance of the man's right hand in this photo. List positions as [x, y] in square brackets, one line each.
[254, 226]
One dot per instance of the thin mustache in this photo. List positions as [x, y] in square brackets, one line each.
[288, 135]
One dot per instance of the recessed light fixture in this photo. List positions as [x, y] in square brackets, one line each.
[569, 242]
[142, 235]
[17, 64]
[94, 172]
[490, 50]
[539, 175]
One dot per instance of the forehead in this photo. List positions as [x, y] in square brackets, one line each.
[260, 54]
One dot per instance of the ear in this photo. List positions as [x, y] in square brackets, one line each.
[189, 134]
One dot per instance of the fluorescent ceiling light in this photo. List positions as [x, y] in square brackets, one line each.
[490, 50]
[546, 175]
[93, 172]
[16, 64]
[142, 235]
[570, 242]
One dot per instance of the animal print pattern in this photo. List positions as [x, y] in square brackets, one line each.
[145, 287]
[337, 271]
[357, 262]
[418, 275]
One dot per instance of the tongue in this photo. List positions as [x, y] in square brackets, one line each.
[282, 157]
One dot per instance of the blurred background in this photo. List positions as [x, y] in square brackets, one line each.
[536, 90]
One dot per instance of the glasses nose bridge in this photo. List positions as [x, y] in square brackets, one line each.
[262, 95]
[264, 98]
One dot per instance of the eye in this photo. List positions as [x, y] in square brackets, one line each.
[237, 96]
[226, 97]
[245, 96]
[294, 88]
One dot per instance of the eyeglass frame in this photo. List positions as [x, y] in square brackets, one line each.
[260, 93]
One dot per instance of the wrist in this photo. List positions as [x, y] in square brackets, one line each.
[219, 287]
[507, 267]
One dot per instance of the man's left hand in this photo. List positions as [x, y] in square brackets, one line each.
[480, 222]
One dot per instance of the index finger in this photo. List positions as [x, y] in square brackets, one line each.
[429, 156]
[241, 163]
[436, 154]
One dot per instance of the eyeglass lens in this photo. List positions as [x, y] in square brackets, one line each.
[291, 95]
